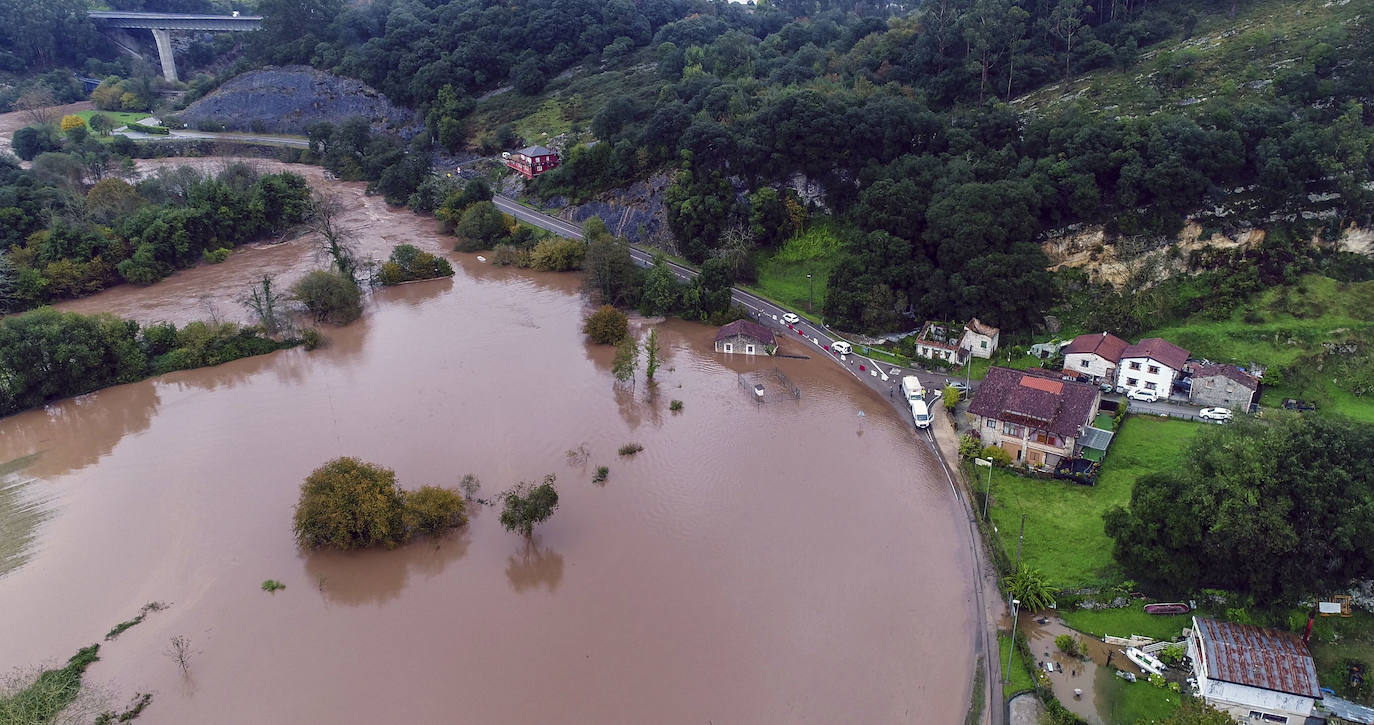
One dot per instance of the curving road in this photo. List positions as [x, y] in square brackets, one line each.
[881, 377]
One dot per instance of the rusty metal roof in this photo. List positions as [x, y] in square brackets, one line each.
[1264, 658]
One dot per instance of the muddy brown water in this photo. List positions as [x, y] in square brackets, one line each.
[1089, 673]
[789, 562]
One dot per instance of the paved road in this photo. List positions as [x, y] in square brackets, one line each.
[881, 377]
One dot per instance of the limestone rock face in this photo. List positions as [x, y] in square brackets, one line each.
[287, 99]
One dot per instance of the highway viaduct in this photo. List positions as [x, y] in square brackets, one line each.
[162, 25]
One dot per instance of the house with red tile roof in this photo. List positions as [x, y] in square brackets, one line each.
[1033, 415]
[1254, 674]
[1151, 364]
[1094, 355]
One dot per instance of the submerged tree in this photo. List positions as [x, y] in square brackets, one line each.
[651, 355]
[626, 360]
[267, 305]
[337, 241]
[526, 505]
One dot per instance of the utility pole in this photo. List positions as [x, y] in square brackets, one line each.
[1019, 539]
[811, 298]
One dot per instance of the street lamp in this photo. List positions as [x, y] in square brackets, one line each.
[811, 299]
[987, 491]
[1015, 610]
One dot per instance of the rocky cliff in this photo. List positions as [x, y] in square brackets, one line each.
[287, 99]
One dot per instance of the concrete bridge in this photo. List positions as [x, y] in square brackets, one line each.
[163, 23]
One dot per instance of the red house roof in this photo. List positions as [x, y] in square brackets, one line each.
[1159, 350]
[1263, 658]
[1036, 398]
[1106, 346]
[747, 329]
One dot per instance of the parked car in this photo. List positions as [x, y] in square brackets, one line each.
[840, 347]
[961, 387]
[1220, 415]
[1105, 387]
[1143, 395]
[791, 318]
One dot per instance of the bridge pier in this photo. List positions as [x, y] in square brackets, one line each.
[163, 37]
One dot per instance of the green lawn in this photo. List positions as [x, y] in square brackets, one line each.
[1064, 537]
[1284, 325]
[978, 368]
[1135, 703]
[121, 118]
[1336, 639]
[782, 274]
[1126, 622]
[1020, 678]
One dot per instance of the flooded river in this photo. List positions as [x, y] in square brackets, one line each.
[778, 563]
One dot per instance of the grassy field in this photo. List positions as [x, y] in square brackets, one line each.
[978, 368]
[1136, 703]
[1337, 639]
[1064, 537]
[1227, 58]
[1126, 622]
[1020, 678]
[1284, 325]
[782, 275]
[121, 118]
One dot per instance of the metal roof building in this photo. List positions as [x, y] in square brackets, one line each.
[1254, 673]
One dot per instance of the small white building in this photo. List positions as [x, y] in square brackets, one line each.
[979, 340]
[1254, 674]
[747, 338]
[1094, 355]
[937, 341]
[1151, 364]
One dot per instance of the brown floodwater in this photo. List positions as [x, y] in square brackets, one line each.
[777, 563]
[1100, 689]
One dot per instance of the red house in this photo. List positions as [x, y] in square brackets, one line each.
[532, 161]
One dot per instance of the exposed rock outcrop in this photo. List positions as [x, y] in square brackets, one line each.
[287, 99]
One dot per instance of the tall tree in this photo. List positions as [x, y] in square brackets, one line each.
[1065, 21]
[651, 351]
[626, 360]
[337, 240]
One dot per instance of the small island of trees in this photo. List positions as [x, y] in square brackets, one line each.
[351, 504]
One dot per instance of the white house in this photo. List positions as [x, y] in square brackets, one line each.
[1253, 674]
[979, 339]
[1151, 364]
[937, 341]
[1094, 355]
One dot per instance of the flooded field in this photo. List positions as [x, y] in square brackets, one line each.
[777, 563]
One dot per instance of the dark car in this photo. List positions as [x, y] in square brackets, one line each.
[1295, 404]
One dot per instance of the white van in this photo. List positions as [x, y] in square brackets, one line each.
[911, 388]
[920, 413]
[840, 347]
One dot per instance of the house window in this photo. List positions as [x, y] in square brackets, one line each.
[1274, 718]
[1154, 369]
[749, 349]
[1083, 363]
[1131, 382]
[1011, 429]
[1135, 366]
[992, 423]
[1254, 715]
[1149, 386]
[984, 343]
[729, 347]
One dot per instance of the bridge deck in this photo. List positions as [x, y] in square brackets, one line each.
[176, 21]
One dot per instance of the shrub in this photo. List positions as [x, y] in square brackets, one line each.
[215, 256]
[558, 255]
[526, 505]
[997, 455]
[675, 406]
[1157, 679]
[1067, 644]
[311, 338]
[408, 263]
[330, 297]
[629, 449]
[970, 446]
[951, 398]
[607, 325]
[153, 130]
[350, 504]
[601, 473]
[481, 227]
[272, 585]
[430, 510]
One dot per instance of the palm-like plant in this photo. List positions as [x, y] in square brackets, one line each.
[1031, 587]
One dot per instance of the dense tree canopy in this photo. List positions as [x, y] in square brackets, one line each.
[1278, 509]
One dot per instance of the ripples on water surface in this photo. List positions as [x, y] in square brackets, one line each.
[790, 562]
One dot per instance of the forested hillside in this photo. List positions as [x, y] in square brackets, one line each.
[900, 115]
[941, 138]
